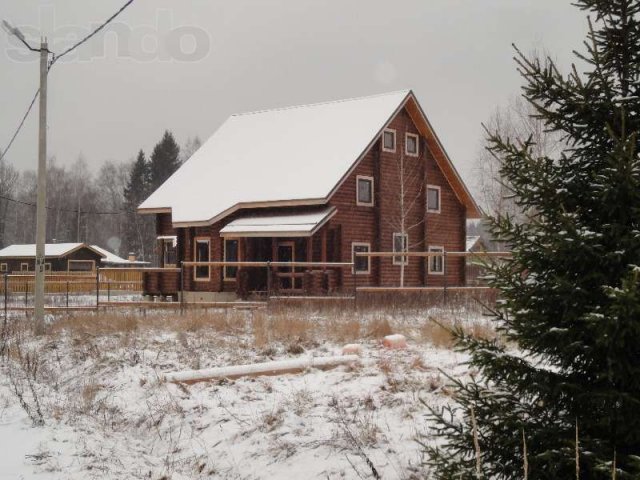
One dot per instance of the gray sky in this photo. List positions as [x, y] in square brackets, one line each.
[187, 65]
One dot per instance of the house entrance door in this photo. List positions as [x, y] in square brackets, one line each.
[286, 253]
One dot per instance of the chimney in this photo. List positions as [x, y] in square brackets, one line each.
[132, 257]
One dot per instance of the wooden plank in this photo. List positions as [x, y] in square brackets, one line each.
[421, 289]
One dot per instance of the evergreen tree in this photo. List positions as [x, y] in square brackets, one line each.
[570, 296]
[138, 230]
[165, 159]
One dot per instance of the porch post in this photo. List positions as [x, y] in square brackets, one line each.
[323, 247]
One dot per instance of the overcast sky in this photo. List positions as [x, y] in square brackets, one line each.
[187, 65]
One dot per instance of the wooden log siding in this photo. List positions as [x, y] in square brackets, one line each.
[373, 225]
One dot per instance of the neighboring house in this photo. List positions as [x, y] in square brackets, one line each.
[114, 261]
[475, 244]
[475, 270]
[59, 257]
[315, 183]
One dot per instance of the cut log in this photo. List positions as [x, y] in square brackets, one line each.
[281, 367]
[395, 341]
[352, 349]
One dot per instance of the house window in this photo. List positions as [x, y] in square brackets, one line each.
[169, 252]
[389, 140]
[364, 191]
[230, 255]
[433, 199]
[411, 144]
[47, 267]
[400, 244]
[201, 254]
[4, 267]
[24, 267]
[436, 263]
[361, 264]
[81, 265]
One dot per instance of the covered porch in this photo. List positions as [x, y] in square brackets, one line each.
[281, 254]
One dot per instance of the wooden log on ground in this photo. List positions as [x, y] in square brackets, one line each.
[280, 367]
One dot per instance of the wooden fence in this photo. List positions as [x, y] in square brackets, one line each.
[103, 279]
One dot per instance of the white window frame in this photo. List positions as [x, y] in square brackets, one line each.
[4, 267]
[369, 179]
[164, 242]
[224, 256]
[24, 269]
[436, 248]
[353, 258]
[93, 265]
[395, 140]
[196, 278]
[439, 189]
[406, 151]
[400, 259]
[47, 266]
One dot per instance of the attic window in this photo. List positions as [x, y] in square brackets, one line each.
[411, 144]
[364, 193]
[433, 199]
[389, 140]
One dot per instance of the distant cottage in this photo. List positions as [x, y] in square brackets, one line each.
[61, 257]
[314, 183]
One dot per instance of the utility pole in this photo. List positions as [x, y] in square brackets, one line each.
[41, 213]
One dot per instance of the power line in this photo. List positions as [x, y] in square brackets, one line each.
[73, 47]
[67, 210]
[55, 58]
[26, 114]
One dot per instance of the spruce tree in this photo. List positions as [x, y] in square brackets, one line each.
[165, 159]
[137, 190]
[566, 363]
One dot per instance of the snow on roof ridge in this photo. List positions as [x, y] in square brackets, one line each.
[406, 91]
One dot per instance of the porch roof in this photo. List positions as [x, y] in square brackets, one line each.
[303, 224]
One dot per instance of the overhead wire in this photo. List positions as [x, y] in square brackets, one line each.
[54, 59]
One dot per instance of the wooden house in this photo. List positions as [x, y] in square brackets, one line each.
[314, 183]
[59, 257]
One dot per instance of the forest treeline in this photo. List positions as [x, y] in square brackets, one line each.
[96, 207]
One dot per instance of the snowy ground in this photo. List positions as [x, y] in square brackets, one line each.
[107, 415]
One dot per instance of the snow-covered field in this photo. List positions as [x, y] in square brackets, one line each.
[108, 415]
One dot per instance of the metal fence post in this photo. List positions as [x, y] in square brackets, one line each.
[269, 279]
[181, 287]
[444, 272]
[97, 287]
[6, 289]
[355, 282]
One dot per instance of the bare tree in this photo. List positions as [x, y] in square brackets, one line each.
[8, 185]
[189, 148]
[407, 201]
[516, 120]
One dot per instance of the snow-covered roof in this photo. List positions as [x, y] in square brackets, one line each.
[294, 225]
[287, 154]
[287, 157]
[113, 259]
[50, 250]
[471, 241]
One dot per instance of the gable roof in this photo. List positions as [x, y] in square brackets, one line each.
[287, 156]
[113, 259]
[299, 224]
[50, 249]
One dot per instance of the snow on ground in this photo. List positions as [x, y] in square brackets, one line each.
[107, 414]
